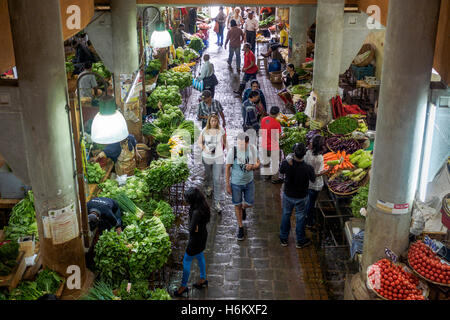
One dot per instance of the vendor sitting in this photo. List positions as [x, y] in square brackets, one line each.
[291, 78]
[124, 155]
[105, 214]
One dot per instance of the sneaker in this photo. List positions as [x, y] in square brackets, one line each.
[303, 243]
[284, 243]
[244, 214]
[218, 207]
[240, 235]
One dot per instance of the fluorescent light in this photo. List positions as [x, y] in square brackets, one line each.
[109, 125]
[427, 152]
[160, 39]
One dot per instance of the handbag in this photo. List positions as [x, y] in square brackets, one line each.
[210, 81]
[216, 27]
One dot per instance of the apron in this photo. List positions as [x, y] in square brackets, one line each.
[126, 163]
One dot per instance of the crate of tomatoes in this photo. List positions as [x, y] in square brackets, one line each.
[391, 281]
[428, 265]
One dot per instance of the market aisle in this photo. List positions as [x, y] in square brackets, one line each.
[258, 267]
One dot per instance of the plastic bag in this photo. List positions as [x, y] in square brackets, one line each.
[197, 84]
[121, 180]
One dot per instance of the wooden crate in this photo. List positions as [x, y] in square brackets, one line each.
[12, 280]
[60, 291]
[31, 271]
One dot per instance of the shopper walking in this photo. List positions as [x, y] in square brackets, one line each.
[199, 215]
[235, 36]
[242, 160]
[207, 106]
[251, 109]
[221, 19]
[270, 133]
[235, 16]
[250, 69]
[314, 158]
[254, 86]
[250, 27]
[298, 174]
[208, 76]
[212, 141]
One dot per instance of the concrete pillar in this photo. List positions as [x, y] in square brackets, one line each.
[328, 52]
[299, 22]
[400, 124]
[39, 53]
[124, 40]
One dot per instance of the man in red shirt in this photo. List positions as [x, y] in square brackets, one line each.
[271, 131]
[250, 68]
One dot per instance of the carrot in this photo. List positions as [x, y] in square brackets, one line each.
[343, 154]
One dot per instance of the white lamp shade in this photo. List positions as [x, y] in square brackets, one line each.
[160, 39]
[107, 129]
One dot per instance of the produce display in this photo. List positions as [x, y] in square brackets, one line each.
[343, 125]
[290, 137]
[190, 54]
[362, 159]
[153, 67]
[135, 188]
[300, 89]
[99, 67]
[204, 26]
[196, 44]
[338, 160]
[267, 22]
[164, 173]
[362, 127]
[190, 127]
[178, 146]
[359, 201]
[166, 95]
[168, 120]
[311, 134]
[174, 78]
[163, 211]
[348, 145]
[69, 67]
[47, 282]
[393, 282]
[428, 264]
[95, 173]
[8, 257]
[22, 221]
[182, 68]
[100, 291]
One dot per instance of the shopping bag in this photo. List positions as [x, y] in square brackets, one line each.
[216, 27]
[198, 85]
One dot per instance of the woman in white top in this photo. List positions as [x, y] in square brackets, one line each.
[314, 158]
[212, 140]
[236, 16]
[207, 75]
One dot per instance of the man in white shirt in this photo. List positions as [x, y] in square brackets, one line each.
[250, 27]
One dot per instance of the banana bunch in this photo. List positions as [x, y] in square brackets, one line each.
[182, 68]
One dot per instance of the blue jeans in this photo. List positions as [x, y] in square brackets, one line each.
[310, 208]
[213, 176]
[220, 35]
[237, 52]
[187, 261]
[247, 189]
[300, 206]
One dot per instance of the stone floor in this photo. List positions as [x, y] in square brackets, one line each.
[258, 267]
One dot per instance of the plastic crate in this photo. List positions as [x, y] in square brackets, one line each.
[362, 72]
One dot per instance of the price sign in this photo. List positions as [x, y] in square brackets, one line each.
[391, 255]
[431, 243]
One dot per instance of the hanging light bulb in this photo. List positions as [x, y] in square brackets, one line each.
[109, 125]
[160, 37]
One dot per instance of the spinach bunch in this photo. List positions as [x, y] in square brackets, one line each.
[360, 201]
[8, 255]
[138, 291]
[22, 221]
[164, 212]
[95, 173]
[26, 290]
[48, 281]
[164, 173]
[160, 294]
[111, 257]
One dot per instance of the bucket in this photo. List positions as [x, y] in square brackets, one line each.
[445, 210]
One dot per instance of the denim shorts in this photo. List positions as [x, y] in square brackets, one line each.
[248, 190]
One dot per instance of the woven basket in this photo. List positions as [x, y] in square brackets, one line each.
[369, 59]
[362, 183]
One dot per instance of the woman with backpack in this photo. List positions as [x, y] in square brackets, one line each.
[199, 215]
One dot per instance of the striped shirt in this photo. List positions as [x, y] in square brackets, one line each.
[205, 110]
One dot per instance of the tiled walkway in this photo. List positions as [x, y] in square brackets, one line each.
[258, 267]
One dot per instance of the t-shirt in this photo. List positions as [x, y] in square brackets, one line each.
[114, 150]
[213, 139]
[110, 216]
[235, 36]
[317, 163]
[251, 25]
[284, 35]
[267, 125]
[248, 58]
[239, 175]
[297, 177]
[205, 110]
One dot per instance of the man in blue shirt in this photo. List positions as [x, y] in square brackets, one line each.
[250, 111]
[241, 162]
[114, 150]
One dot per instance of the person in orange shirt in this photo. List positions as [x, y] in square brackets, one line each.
[271, 131]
